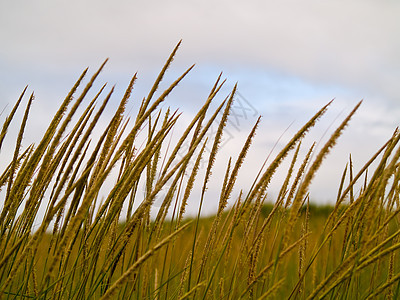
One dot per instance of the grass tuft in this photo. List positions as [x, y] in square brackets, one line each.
[75, 223]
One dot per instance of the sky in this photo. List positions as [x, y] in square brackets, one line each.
[288, 57]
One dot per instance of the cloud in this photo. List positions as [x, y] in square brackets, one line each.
[351, 43]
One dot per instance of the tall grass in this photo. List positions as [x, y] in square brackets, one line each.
[96, 242]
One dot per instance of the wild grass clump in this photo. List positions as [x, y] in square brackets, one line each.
[96, 242]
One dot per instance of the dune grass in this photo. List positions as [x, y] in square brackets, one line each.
[95, 242]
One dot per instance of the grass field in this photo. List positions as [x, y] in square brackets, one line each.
[97, 243]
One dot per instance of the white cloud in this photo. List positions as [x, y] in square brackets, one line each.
[351, 43]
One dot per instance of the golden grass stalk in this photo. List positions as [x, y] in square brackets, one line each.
[112, 131]
[39, 183]
[13, 167]
[184, 277]
[25, 174]
[303, 245]
[75, 222]
[190, 184]
[143, 118]
[260, 187]
[211, 160]
[383, 287]
[74, 159]
[388, 146]
[198, 118]
[158, 80]
[265, 269]
[225, 194]
[217, 138]
[345, 269]
[284, 188]
[303, 189]
[12, 250]
[68, 148]
[121, 190]
[272, 290]
[299, 176]
[215, 89]
[389, 293]
[131, 270]
[64, 154]
[8, 120]
[238, 164]
[148, 201]
[192, 290]
[17, 148]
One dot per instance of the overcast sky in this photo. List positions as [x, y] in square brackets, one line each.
[289, 58]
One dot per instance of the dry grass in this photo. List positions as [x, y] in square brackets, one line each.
[105, 245]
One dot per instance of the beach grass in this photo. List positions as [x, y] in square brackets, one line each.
[93, 240]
